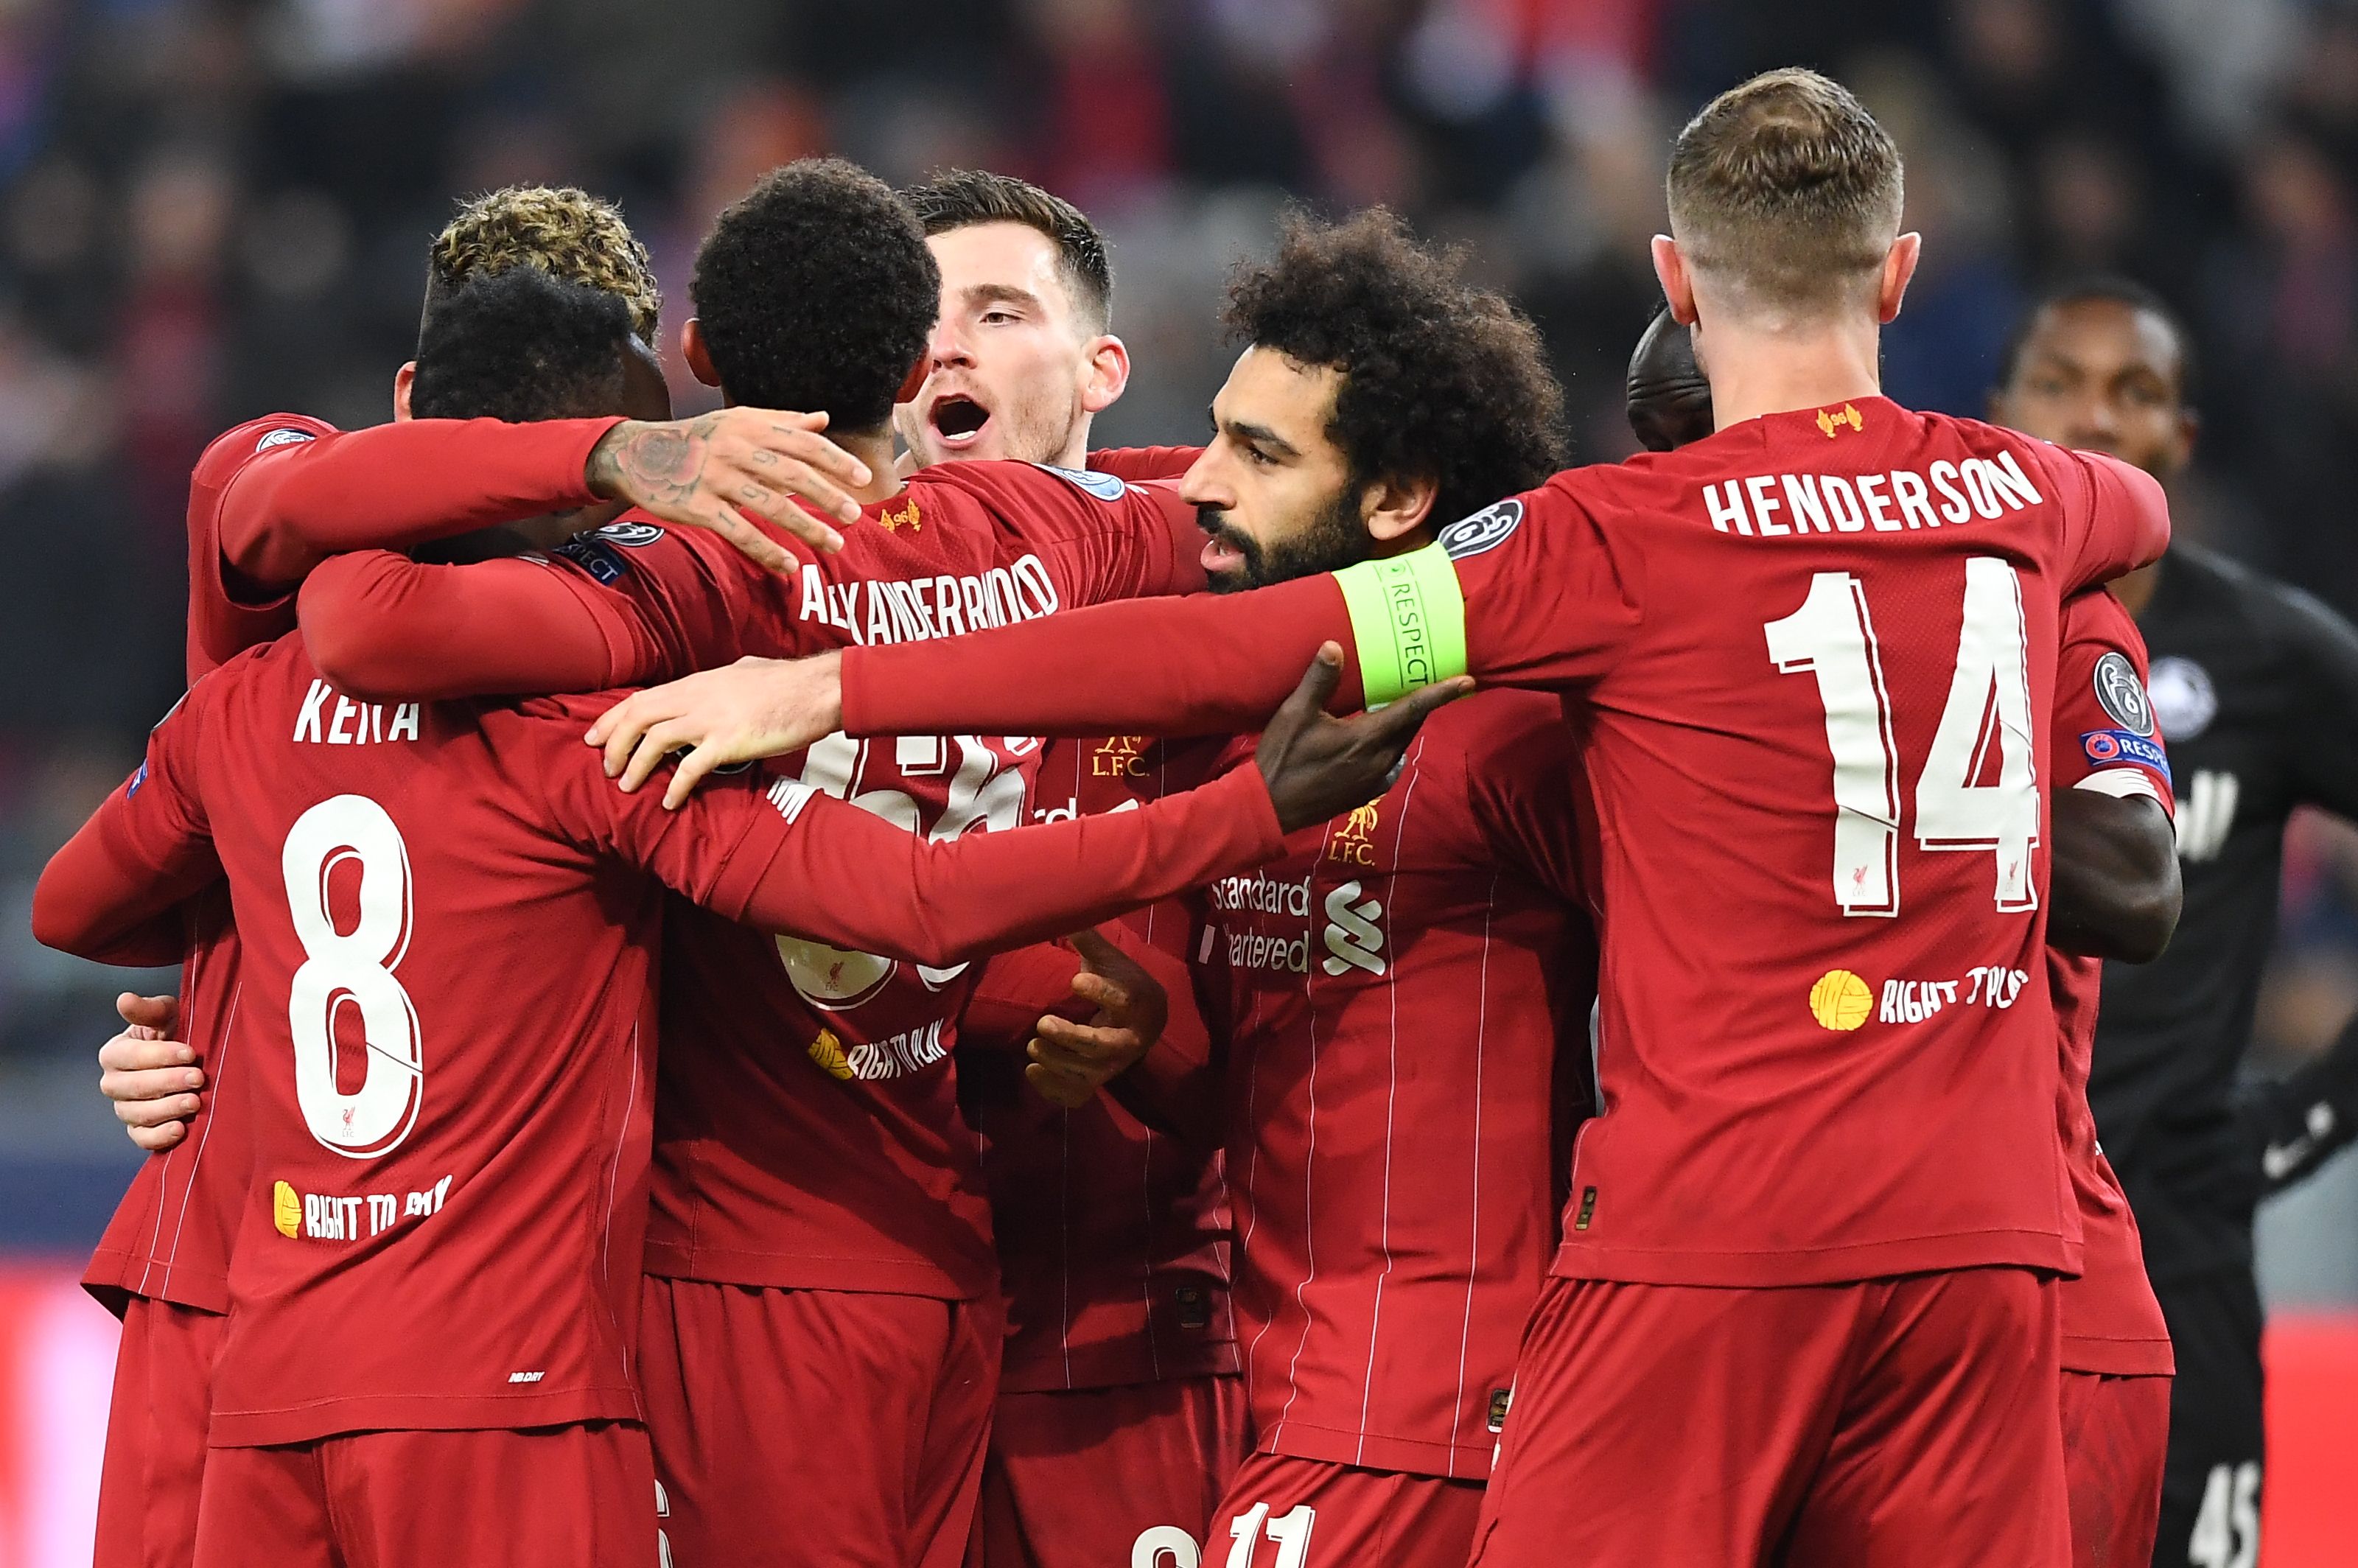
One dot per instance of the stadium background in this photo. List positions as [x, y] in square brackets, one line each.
[214, 209]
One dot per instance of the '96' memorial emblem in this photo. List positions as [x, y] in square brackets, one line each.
[1485, 530]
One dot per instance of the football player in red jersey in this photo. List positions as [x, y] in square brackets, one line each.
[268, 498]
[879, 1198]
[833, 1184]
[1112, 1238]
[1805, 1291]
[2115, 895]
[1405, 992]
[458, 1427]
[1348, 1152]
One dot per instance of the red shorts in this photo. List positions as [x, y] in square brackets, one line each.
[1898, 1421]
[2116, 1437]
[1083, 1478]
[1283, 1512]
[550, 1496]
[841, 1427]
[155, 1464]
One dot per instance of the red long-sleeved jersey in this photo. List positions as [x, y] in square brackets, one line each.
[449, 919]
[267, 500]
[1112, 1236]
[2105, 739]
[1813, 657]
[1407, 993]
[809, 1134]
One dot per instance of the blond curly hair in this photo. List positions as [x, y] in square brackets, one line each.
[567, 233]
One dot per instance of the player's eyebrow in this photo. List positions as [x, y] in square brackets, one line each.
[982, 294]
[1258, 434]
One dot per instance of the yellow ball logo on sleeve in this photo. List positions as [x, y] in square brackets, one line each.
[286, 1209]
[1840, 1001]
[827, 1052]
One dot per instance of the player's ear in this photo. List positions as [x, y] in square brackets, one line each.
[1899, 266]
[1677, 286]
[1394, 508]
[692, 350]
[915, 382]
[403, 380]
[1108, 375]
[2189, 425]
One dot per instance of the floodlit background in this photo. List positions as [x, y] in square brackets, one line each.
[214, 209]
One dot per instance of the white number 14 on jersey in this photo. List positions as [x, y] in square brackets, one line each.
[1832, 636]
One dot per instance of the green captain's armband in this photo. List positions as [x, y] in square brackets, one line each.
[1407, 621]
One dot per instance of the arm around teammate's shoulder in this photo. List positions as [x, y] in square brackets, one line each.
[380, 625]
[112, 894]
[2117, 516]
[297, 502]
[1550, 582]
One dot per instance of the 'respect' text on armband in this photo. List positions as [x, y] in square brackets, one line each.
[1407, 621]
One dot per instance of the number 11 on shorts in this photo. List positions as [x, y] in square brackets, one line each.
[1289, 1532]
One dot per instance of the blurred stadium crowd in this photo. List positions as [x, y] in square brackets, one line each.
[214, 209]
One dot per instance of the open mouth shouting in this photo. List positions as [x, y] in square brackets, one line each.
[958, 420]
[1229, 550]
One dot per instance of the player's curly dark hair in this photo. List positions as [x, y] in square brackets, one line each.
[815, 292]
[565, 232]
[1441, 380]
[519, 344]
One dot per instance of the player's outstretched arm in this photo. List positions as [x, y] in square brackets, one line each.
[2116, 889]
[297, 503]
[383, 626]
[1107, 669]
[302, 492]
[840, 875]
[1532, 592]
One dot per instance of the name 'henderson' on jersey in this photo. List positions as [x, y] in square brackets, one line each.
[1831, 740]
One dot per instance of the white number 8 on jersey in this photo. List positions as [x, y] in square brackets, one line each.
[352, 970]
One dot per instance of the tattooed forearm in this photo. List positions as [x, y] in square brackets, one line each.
[651, 464]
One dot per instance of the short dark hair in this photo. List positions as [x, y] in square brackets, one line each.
[815, 292]
[1441, 380]
[2111, 288]
[962, 198]
[1665, 395]
[1787, 187]
[519, 345]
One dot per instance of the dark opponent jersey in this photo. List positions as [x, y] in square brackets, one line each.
[2255, 686]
